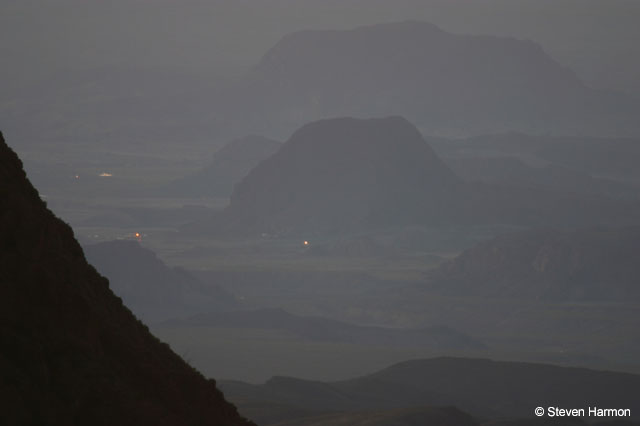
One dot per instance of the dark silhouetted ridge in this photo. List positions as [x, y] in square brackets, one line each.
[71, 352]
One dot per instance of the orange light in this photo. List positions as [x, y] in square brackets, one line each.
[305, 242]
[138, 235]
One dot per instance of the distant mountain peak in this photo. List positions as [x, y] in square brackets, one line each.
[445, 82]
[341, 174]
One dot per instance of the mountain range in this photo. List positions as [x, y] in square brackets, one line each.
[443, 82]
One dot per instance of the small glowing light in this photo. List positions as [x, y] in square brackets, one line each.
[77, 176]
[105, 174]
[305, 242]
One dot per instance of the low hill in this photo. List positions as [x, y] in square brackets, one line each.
[484, 388]
[599, 264]
[150, 288]
[72, 353]
[419, 416]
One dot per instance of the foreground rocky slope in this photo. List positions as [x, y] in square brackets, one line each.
[71, 352]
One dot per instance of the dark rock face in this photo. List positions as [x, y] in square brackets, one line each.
[342, 175]
[589, 264]
[434, 78]
[71, 352]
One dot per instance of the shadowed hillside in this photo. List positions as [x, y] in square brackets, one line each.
[71, 352]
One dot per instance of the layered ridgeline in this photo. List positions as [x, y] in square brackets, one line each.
[346, 175]
[341, 175]
[441, 81]
[150, 288]
[598, 264]
[71, 352]
[229, 165]
[328, 330]
[485, 389]
[586, 165]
